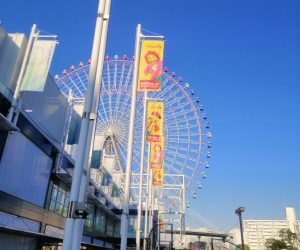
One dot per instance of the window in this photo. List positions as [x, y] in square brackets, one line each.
[60, 198]
[110, 227]
[88, 222]
[100, 221]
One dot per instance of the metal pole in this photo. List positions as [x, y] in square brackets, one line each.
[183, 211]
[151, 201]
[125, 212]
[85, 126]
[22, 72]
[172, 236]
[78, 227]
[147, 201]
[158, 234]
[212, 244]
[138, 229]
[241, 228]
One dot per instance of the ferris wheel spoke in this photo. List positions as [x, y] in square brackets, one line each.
[80, 79]
[129, 76]
[63, 86]
[119, 91]
[115, 75]
[125, 149]
[109, 93]
[180, 111]
[125, 107]
[167, 81]
[80, 93]
[103, 109]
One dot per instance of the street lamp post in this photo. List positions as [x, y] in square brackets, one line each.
[239, 212]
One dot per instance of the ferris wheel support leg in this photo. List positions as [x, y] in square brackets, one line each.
[85, 131]
[138, 229]
[125, 212]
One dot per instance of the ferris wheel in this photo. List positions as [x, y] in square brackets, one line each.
[186, 129]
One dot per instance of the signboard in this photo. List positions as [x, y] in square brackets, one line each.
[158, 177]
[155, 117]
[150, 67]
[38, 65]
[157, 154]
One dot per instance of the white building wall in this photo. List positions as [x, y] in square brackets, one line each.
[291, 217]
[256, 232]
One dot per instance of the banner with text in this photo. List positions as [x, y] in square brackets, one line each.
[155, 118]
[157, 154]
[151, 63]
[38, 65]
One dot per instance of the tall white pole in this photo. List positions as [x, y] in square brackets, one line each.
[147, 200]
[150, 203]
[22, 72]
[78, 227]
[125, 212]
[84, 130]
[138, 229]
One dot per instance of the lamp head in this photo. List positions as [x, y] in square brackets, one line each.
[239, 210]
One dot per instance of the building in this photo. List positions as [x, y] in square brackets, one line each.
[256, 232]
[36, 169]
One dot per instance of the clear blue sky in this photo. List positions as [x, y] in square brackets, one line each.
[242, 59]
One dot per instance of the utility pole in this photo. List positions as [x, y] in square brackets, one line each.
[239, 212]
[140, 205]
[125, 211]
[87, 129]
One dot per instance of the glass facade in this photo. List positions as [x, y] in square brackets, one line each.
[100, 221]
[88, 222]
[60, 197]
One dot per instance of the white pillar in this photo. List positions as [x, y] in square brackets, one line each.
[138, 229]
[125, 212]
[78, 227]
[147, 200]
[84, 130]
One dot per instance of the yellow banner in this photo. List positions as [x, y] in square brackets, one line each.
[155, 118]
[151, 63]
[157, 154]
[158, 177]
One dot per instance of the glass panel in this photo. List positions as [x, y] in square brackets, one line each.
[59, 208]
[52, 205]
[60, 196]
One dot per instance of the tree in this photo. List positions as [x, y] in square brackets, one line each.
[288, 240]
[239, 247]
[275, 244]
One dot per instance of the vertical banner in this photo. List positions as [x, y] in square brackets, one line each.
[158, 177]
[151, 63]
[157, 154]
[155, 118]
[38, 65]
